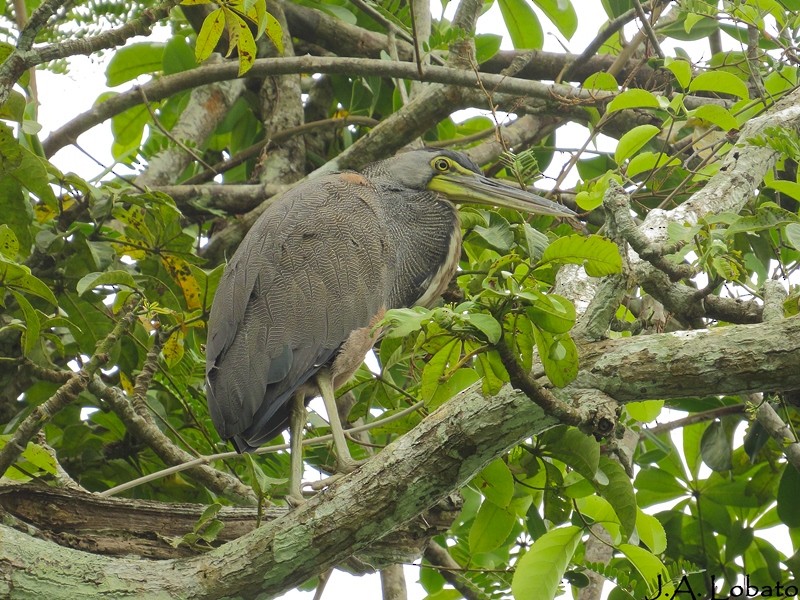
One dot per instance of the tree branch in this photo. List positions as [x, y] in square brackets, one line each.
[441, 454]
[143, 428]
[66, 393]
[22, 58]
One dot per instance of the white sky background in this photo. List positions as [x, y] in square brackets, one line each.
[65, 96]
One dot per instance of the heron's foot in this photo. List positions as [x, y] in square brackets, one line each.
[323, 483]
[348, 465]
[295, 499]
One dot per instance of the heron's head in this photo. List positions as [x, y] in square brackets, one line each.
[459, 179]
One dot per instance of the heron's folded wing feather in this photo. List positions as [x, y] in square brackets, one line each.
[312, 270]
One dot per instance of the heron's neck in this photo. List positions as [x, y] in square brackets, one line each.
[426, 234]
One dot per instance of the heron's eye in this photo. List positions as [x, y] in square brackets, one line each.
[441, 164]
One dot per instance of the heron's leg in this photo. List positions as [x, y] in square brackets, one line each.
[344, 462]
[297, 422]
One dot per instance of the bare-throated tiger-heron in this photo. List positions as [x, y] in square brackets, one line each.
[293, 314]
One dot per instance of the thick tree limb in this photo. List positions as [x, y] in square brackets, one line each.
[171, 84]
[440, 455]
[206, 108]
[119, 527]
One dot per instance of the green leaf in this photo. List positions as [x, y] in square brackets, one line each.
[790, 188]
[737, 541]
[788, 493]
[793, 235]
[404, 321]
[559, 356]
[649, 161]
[18, 277]
[534, 523]
[496, 483]
[275, 32]
[768, 216]
[210, 33]
[178, 56]
[619, 493]
[13, 108]
[491, 369]
[634, 140]
[644, 411]
[491, 527]
[486, 324]
[535, 241]
[486, 46]
[562, 14]
[648, 565]
[522, 23]
[633, 98]
[553, 313]
[32, 324]
[40, 458]
[128, 127]
[261, 482]
[435, 371]
[131, 61]
[599, 256]
[731, 493]
[94, 280]
[720, 82]
[498, 234]
[600, 511]
[681, 69]
[9, 246]
[601, 81]
[651, 532]
[242, 39]
[718, 115]
[540, 570]
[716, 446]
[656, 485]
[573, 448]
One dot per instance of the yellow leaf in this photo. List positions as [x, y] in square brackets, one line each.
[275, 32]
[173, 348]
[209, 35]
[258, 13]
[182, 274]
[127, 384]
[245, 44]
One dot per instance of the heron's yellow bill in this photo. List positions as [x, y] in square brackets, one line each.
[471, 188]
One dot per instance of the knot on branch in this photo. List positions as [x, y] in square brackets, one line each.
[623, 227]
[601, 413]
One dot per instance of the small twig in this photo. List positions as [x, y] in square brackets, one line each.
[281, 136]
[214, 480]
[602, 37]
[204, 460]
[67, 392]
[168, 134]
[539, 395]
[706, 415]
[617, 205]
[648, 28]
[441, 560]
[780, 432]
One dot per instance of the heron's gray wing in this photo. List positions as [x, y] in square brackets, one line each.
[311, 270]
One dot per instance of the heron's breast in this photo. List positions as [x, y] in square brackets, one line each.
[440, 279]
